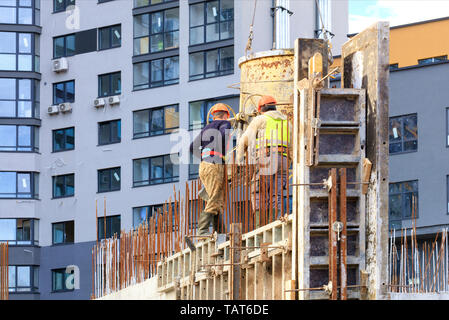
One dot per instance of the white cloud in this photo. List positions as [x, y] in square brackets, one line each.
[399, 12]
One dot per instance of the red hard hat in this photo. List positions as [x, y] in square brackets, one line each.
[266, 100]
[220, 107]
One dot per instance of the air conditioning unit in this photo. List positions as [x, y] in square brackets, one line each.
[114, 100]
[99, 102]
[65, 107]
[60, 65]
[53, 110]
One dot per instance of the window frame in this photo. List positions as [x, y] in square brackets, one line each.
[64, 83]
[65, 274]
[33, 139]
[109, 171]
[431, 60]
[34, 99]
[65, 55]
[100, 225]
[156, 84]
[34, 55]
[66, 4]
[151, 210]
[34, 231]
[34, 184]
[65, 139]
[164, 179]
[32, 288]
[402, 193]
[150, 118]
[109, 75]
[64, 223]
[221, 73]
[109, 35]
[401, 117]
[65, 186]
[152, 4]
[34, 8]
[206, 24]
[111, 141]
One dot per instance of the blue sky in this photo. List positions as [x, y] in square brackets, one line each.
[362, 13]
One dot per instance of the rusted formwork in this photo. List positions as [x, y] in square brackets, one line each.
[4, 277]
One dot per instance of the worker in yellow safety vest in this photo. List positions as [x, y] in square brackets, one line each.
[267, 140]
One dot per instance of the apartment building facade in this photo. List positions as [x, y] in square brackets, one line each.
[112, 80]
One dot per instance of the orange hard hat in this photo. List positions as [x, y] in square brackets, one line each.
[220, 107]
[266, 100]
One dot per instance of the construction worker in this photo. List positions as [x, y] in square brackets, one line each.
[212, 143]
[267, 137]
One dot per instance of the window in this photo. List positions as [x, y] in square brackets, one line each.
[211, 21]
[19, 138]
[109, 132]
[19, 231]
[109, 180]
[109, 37]
[403, 202]
[142, 214]
[112, 226]
[64, 46]
[394, 66]
[16, 52]
[404, 134]
[19, 185]
[144, 3]
[60, 279]
[432, 60]
[157, 31]
[63, 92]
[63, 232]
[64, 139]
[23, 278]
[193, 168]
[61, 5]
[156, 121]
[198, 110]
[19, 98]
[64, 186]
[155, 170]
[212, 63]
[156, 73]
[18, 12]
[109, 84]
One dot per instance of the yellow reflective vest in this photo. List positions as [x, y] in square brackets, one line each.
[276, 134]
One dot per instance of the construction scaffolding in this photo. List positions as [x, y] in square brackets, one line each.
[4, 276]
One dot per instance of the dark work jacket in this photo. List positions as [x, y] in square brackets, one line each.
[211, 138]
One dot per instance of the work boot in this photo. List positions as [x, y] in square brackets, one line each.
[204, 222]
[217, 223]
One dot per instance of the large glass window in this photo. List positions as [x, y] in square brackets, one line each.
[19, 138]
[144, 3]
[155, 121]
[157, 31]
[23, 185]
[18, 11]
[16, 51]
[404, 134]
[61, 5]
[109, 84]
[23, 278]
[155, 170]
[142, 214]
[211, 63]
[112, 227]
[63, 232]
[109, 180]
[64, 186]
[403, 202]
[156, 73]
[64, 139]
[60, 279]
[19, 98]
[64, 92]
[109, 132]
[109, 37]
[211, 21]
[64, 46]
[198, 110]
[19, 231]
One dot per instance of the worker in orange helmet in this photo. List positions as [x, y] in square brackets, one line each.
[267, 137]
[210, 147]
